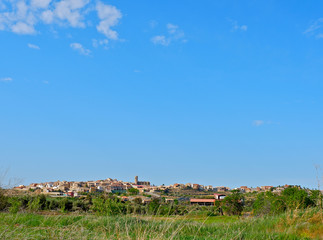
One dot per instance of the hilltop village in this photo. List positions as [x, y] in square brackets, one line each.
[143, 188]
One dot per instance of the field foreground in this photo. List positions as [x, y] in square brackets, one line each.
[297, 225]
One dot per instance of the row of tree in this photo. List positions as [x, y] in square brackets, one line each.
[233, 204]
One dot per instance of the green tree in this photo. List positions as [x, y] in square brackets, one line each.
[66, 205]
[37, 203]
[233, 203]
[3, 200]
[15, 204]
[133, 191]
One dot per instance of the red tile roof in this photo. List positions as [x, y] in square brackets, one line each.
[202, 200]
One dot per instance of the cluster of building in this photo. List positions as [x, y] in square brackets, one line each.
[75, 188]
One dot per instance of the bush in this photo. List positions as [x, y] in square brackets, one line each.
[37, 203]
[268, 203]
[108, 206]
[133, 191]
[3, 201]
[66, 205]
[15, 205]
[233, 204]
[53, 204]
[291, 198]
[297, 198]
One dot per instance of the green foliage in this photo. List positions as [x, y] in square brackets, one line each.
[15, 205]
[305, 224]
[37, 203]
[4, 203]
[317, 197]
[80, 205]
[291, 198]
[53, 204]
[133, 191]
[153, 206]
[268, 203]
[233, 203]
[108, 206]
[296, 198]
[66, 205]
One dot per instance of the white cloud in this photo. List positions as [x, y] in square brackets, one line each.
[22, 28]
[47, 16]
[6, 79]
[23, 16]
[171, 28]
[40, 3]
[315, 28]
[109, 16]
[33, 46]
[162, 40]
[244, 27]
[79, 48]
[258, 123]
[96, 43]
[69, 10]
[174, 34]
[237, 27]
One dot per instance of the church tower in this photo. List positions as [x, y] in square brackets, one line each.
[136, 180]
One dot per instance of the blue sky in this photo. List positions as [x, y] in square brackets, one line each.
[210, 92]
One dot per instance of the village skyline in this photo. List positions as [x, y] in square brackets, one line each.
[110, 185]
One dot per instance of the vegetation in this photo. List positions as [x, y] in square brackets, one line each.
[302, 224]
[293, 214]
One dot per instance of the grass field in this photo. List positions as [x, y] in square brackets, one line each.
[298, 225]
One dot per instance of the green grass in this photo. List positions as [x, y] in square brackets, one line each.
[299, 225]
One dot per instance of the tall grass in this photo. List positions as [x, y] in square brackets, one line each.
[305, 224]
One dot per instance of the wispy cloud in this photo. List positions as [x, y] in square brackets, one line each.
[174, 33]
[96, 43]
[238, 27]
[33, 46]
[23, 16]
[316, 28]
[79, 48]
[162, 40]
[259, 123]
[6, 79]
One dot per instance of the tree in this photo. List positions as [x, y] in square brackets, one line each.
[133, 191]
[233, 204]
[15, 204]
[297, 198]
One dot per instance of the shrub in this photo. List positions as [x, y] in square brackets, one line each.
[109, 206]
[15, 204]
[3, 200]
[37, 203]
[233, 204]
[133, 191]
[66, 205]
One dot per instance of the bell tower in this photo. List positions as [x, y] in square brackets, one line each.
[136, 180]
